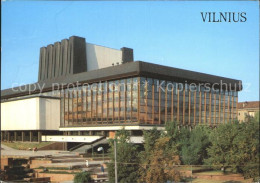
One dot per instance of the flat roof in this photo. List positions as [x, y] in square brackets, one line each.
[131, 69]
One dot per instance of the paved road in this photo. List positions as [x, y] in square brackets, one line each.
[5, 151]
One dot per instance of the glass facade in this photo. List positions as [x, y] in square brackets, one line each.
[148, 101]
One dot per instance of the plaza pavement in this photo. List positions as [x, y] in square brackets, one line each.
[8, 151]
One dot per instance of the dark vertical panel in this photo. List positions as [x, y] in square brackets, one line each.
[78, 55]
[160, 105]
[113, 100]
[189, 106]
[77, 109]
[205, 108]
[60, 60]
[70, 54]
[102, 102]
[183, 109]
[53, 61]
[46, 63]
[127, 55]
[232, 108]
[153, 102]
[56, 59]
[64, 119]
[82, 105]
[50, 52]
[228, 109]
[64, 47]
[195, 103]
[178, 105]
[219, 105]
[210, 108]
[86, 105]
[166, 104]
[125, 102]
[40, 65]
[215, 109]
[44, 52]
[224, 106]
[172, 104]
[200, 108]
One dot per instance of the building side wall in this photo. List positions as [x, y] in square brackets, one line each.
[20, 115]
[30, 114]
[242, 113]
[99, 57]
[49, 114]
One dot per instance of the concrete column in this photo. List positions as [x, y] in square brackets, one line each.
[15, 136]
[65, 147]
[22, 136]
[90, 132]
[79, 133]
[8, 136]
[30, 136]
[39, 136]
[131, 132]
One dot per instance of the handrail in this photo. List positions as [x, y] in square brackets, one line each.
[78, 146]
[85, 143]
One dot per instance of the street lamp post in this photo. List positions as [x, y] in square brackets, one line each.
[115, 162]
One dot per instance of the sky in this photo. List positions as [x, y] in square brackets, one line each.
[170, 33]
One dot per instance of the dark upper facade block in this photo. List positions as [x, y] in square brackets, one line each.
[63, 58]
[127, 55]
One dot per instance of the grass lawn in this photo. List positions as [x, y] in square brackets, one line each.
[193, 168]
[216, 172]
[26, 145]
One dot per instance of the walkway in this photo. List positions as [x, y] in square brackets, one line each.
[8, 151]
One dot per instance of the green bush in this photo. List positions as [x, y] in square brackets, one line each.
[83, 177]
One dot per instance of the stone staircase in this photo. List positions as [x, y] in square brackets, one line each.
[19, 171]
[65, 166]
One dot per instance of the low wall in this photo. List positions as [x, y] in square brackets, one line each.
[55, 177]
[35, 163]
[6, 162]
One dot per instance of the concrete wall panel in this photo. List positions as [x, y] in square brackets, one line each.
[99, 57]
[31, 114]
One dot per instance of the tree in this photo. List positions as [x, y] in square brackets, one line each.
[161, 164]
[160, 155]
[190, 144]
[150, 137]
[247, 145]
[193, 149]
[236, 146]
[127, 158]
[176, 136]
[83, 177]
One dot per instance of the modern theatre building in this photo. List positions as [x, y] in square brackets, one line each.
[86, 92]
